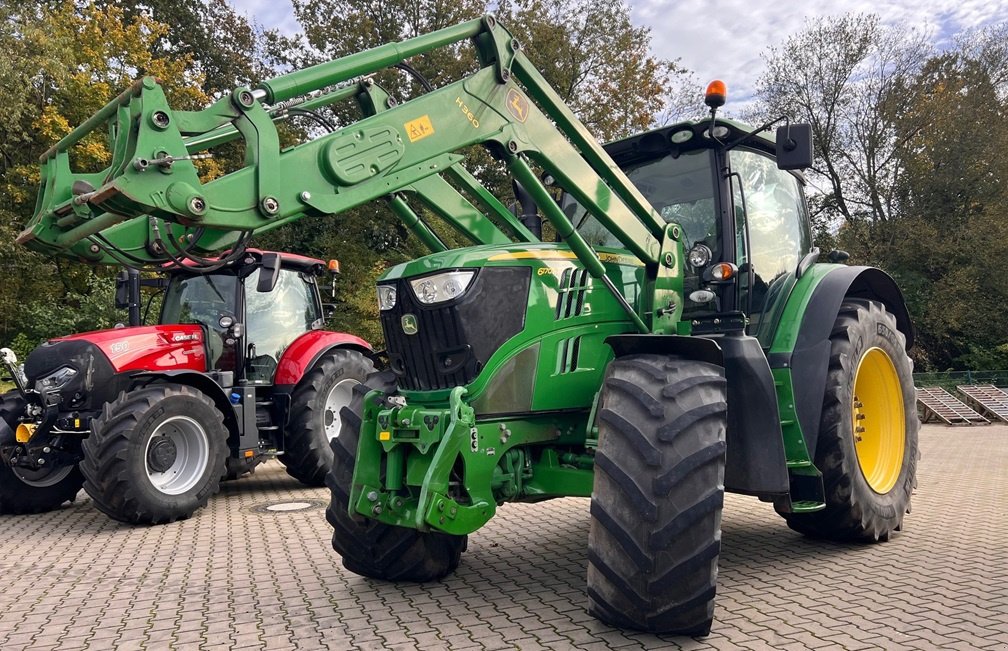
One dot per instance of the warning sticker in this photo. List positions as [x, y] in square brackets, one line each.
[419, 128]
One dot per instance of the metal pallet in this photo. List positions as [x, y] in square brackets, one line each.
[935, 403]
[988, 399]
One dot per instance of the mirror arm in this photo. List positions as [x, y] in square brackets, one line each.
[735, 143]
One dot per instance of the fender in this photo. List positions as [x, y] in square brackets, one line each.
[808, 355]
[200, 381]
[304, 351]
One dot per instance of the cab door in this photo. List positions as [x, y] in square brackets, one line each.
[772, 236]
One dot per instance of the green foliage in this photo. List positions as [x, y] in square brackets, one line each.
[64, 60]
[910, 154]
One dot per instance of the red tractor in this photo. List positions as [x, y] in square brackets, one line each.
[150, 419]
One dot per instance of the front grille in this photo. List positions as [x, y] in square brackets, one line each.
[454, 340]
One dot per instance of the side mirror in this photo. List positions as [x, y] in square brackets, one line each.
[269, 272]
[794, 147]
[122, 298]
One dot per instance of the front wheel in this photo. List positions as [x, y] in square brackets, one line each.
[867, 447]
[23, 490]
[655, 534]
[368, 547]
[155, 455]
[315, 413]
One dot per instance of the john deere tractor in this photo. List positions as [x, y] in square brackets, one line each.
[149, 419]
[678, 337]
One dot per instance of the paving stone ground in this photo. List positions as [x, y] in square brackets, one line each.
[237, 577]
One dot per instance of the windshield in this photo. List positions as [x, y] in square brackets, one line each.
[202, 300]
[680, 188]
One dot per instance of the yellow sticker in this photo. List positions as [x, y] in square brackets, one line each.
[384, 436]
[419, 128]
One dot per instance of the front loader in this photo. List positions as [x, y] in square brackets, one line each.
[680, 337]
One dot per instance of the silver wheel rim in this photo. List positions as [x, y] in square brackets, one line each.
[192, 455]
[43, 478]
[339, 396]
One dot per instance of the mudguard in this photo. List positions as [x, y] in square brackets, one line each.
[809, 358]
[304, 351]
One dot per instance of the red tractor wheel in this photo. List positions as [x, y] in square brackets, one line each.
[155, 454]
[33, 491]
[315, 413]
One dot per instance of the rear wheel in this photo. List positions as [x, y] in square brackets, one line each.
[155, 454]
[23, 490]
[368, 547]
[655, 533]
[867, 447]
[315, 413]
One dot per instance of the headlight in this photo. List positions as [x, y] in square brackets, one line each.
[442, 287]
[55, 380]
[699, 256]
[386, 297]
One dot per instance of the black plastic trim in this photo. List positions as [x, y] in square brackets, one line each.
[700, 349]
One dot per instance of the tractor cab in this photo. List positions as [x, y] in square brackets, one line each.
[744, 219]
[251, 310]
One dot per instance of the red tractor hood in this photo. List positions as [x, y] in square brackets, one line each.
[149, 348]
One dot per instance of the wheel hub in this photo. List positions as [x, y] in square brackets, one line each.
[878, 423]
[162, 454]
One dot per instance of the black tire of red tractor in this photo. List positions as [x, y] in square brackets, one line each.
[20, 497]
[368, 547]
[307, 452]
[855, 512]
[116, 454]
[655, 533]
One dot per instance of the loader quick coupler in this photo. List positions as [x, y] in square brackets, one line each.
[420, 447]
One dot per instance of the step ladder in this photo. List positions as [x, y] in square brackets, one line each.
[935, 403]
[988, 399]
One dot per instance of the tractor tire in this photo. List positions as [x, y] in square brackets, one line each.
[33, 491]
[155, 454]
[368, 547]
[867, 447]
[315, 413]
[655, 533]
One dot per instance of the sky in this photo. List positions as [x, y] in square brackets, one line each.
[723, 39]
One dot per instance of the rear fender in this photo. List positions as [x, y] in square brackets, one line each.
[807, 357]
[304, 351]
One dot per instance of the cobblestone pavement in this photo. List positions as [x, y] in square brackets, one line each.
[237, 576]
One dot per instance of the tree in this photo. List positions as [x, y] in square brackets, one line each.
[954, 229]
[839, 74]
[63, 62]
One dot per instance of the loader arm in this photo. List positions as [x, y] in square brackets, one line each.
[150, 205]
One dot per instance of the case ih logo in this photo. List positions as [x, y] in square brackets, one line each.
[182, 336]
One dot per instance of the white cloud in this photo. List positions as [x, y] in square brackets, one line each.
[723, 39]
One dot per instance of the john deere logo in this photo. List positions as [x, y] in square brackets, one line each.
[409, 324]
[517, 104]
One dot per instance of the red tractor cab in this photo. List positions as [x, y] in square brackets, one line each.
[149, 419]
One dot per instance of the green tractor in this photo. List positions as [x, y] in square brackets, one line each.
[678, 337]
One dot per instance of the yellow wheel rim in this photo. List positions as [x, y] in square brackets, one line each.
[879, 423]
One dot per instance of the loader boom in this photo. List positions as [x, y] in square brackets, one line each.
[150, 198]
